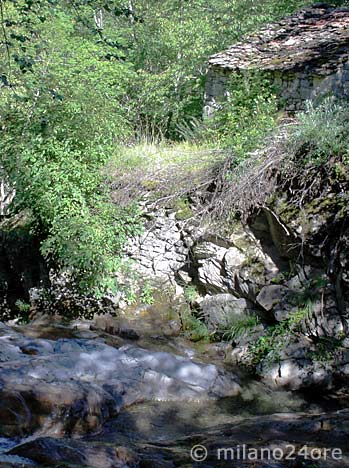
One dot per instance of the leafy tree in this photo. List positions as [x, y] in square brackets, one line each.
[80, 77]
[169, 49]
[61, 114]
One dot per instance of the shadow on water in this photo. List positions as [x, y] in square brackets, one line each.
[163, 433]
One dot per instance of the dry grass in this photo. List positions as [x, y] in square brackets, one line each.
[213, 184]
[160, 174]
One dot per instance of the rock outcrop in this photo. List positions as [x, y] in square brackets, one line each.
[284, 264]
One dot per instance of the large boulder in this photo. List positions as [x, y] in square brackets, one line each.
[238, 265]
[299, 374]
[296, 366]
[222, 310]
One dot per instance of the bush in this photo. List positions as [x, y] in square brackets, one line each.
[322, 133]
[194, 328]
[238, 327]
[247, 116]
[60, 120]
[82, 230]
[268, 347]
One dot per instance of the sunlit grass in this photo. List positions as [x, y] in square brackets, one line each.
[153, 156]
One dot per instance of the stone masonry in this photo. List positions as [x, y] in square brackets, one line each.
[306, 56]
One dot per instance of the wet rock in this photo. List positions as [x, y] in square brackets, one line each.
[13, 461]
[279, 432]
[72, 386]
[50, 451]
[296, 374]
[61, 407]
[134, 322]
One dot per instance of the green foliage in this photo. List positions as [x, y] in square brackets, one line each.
[193, 324]
[267, 348]
[311, 292]
[238, 327]
[194, 328]
[248, 114]
[322, 133]
[183, 209]
[279, 279]
[80, 78]
[57, 133]
[147, 295]
[326, 348]
[190, 293]
[22, 306]
[23, 310]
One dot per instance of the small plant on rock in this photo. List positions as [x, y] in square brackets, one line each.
[190, 293]
[238, 327]
[268, 347]
[194, 328]
[23, 310]
[147, 295]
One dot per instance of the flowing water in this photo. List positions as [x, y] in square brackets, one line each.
[162, 433]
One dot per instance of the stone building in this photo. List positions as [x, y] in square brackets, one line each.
[306, 55]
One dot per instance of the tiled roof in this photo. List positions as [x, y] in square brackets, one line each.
[316, 38]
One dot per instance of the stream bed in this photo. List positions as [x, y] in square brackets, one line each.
[78, 399]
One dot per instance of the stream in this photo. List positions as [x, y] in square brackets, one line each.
[76, 397]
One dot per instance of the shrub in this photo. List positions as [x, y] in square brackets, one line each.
[194, 328]
[326, 349]
[322, 133]
[147, 294]
[247, 115]
[190, 293]
[82, 230]
[268, 347]
[238, 327]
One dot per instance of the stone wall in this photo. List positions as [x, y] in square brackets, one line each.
[163, 249]
[216, 89]
[293, 88]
